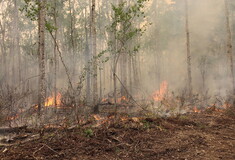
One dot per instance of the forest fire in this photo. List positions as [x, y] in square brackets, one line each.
[104, 100]
[122, 99]
[196, 110]
[11, 118]
[159, 94]
[101, 120]
[50, 101]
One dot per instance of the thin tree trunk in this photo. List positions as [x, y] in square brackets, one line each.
[4, 52]
[41, 53]
[93, 38]
[72, 19]
[55, 54]
[17, 40]
[12, 58]
[130, 74]
[229, 44]
[87, 59]
[190, 89]
[123, 64]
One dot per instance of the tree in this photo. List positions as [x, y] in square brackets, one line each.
[55, 51]
[93, 48]
[87, 59]
[123, 29]
[16, 39]
[188, 49]
[41, 53]
[229, 44]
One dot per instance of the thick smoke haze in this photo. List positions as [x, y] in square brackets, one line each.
[208, 35]
[162, 56]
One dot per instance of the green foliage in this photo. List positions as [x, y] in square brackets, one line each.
[89, 132]
[125, 26]
[31, 9]
[50, 27]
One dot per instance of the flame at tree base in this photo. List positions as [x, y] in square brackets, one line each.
[50, 101]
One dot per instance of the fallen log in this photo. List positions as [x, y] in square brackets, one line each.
[5, 131]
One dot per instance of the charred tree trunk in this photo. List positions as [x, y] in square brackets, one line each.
[41, 54]
[189, 71]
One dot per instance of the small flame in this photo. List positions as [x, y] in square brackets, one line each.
[50, 101]
[104, 100]
[196, 110]
[97, 117]
[159, 95]
[101, 120]
[11, 118]
[122, 99]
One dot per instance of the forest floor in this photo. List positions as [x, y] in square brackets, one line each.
[207, 135]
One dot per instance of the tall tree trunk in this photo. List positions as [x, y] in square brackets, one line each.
[41, 54]
[4, 52]
[87, 59]
[130, 75]
[101, 74]
[12, 58]
[190, 89]
[17, 39]
[55, 54]
[229, 44]
[123, 64]
[72, 28]
[93, 38]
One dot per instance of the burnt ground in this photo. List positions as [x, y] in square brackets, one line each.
[192, 136]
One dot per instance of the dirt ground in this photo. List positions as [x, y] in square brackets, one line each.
[196, 136]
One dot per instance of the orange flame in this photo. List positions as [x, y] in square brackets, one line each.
[11, 118]
[50, 101]
[159, 95]
[104, 100]
[97, 117]
[101, 120]
[196, 110]
[122, 99]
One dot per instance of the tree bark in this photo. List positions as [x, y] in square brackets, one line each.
[87, 59]
[41, 54]
[55, 54]
[229, 45]
[17, 40]
[190, 89]
[4, 52]
[93, 38]
[72, 28]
